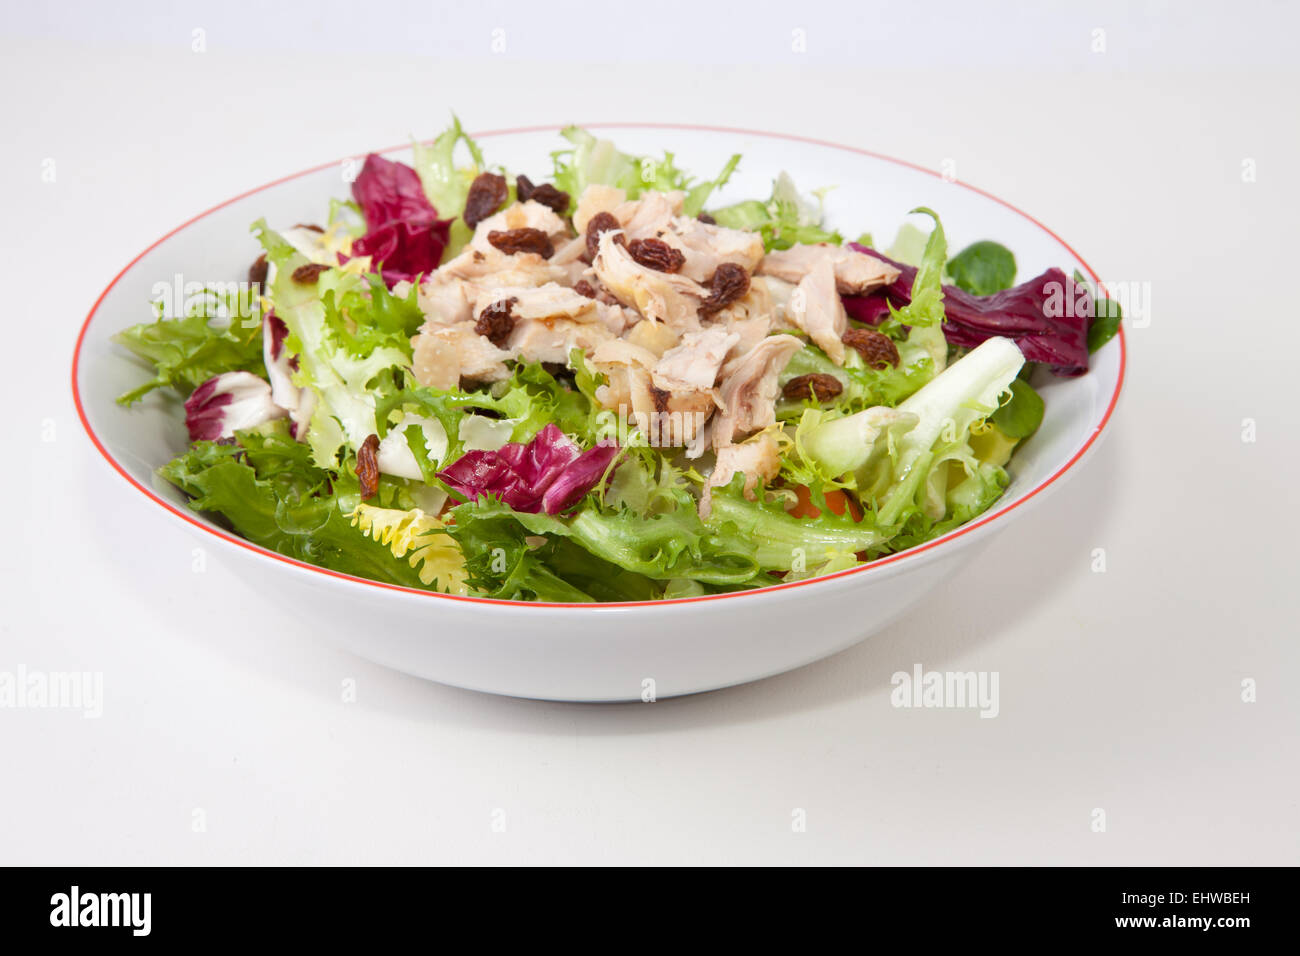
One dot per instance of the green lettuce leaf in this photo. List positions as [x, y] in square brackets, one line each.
[271, 495]
[187, 352]
[445, 184]
[983, 268]
[345, 370]
[592, 160]
[784, 220]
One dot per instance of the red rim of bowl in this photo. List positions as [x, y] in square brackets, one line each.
[965, 529]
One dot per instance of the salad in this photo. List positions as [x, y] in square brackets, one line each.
[603, 384]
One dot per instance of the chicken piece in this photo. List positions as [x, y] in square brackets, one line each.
[654, 337]
[651, 215]
[694, 364]
[665, 419]
[779, 293]
[749, 389]
[615, 317]
[520, 215]
[446, 301]
[665, 296]
[444, 355]
[855, 272]
[551, 340]
[707, 246]
[816, 308]
[596, 198]
[748, 332]
[550, 301]
[493, 265]
[626, 368]
[756, 303]
[758, 459]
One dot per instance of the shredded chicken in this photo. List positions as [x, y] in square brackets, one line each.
[855, 272]
[749, 389]
[520, 215]
[679, 377]
[816, 308]
[596, 198]
[665, 296]
[445, 355]
[551, 340]
[758, 459]
[707, 246]
[550, 301]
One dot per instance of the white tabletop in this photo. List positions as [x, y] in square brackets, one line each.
[225, 737]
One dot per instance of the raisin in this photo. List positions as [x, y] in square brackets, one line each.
[877, 350]
[656, 254]
[496, 323]
[728, 283]
[557, 200]
[308, 274]
[601, 222]
[257, 271]
[514, 241]
[708, 220]
[309, 226]
[367, 469]
[818, 387]
[584, 288]
[486, 194]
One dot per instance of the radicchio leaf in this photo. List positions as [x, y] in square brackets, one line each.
[404, 235]
[548, 474]
[228, 402]
[1047, 316]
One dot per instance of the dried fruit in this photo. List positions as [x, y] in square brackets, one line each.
[601, 222]
[257, 271]
[656, 254]
[513, 241]
[367, 469]
[308, 274]
[877, 349]
[496, 323]
[486, 194]
[708, 220]
[310, 226]
[817, 386]
[584, 288]
[728, 283]
[557, 200]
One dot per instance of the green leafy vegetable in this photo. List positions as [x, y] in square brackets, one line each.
[187, 352]
[1022, 414]
[273, 497]
[445, 184]
[593, 160]
[983, 268]
[786, 219]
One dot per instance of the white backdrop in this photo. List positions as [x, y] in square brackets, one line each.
[1160, 147]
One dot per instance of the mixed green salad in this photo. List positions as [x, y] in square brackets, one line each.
[605, 384]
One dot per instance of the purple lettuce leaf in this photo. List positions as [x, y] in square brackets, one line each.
[404, 235]
[227, 402]
[548, 474]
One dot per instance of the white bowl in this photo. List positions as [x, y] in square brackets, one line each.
[613, 651]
